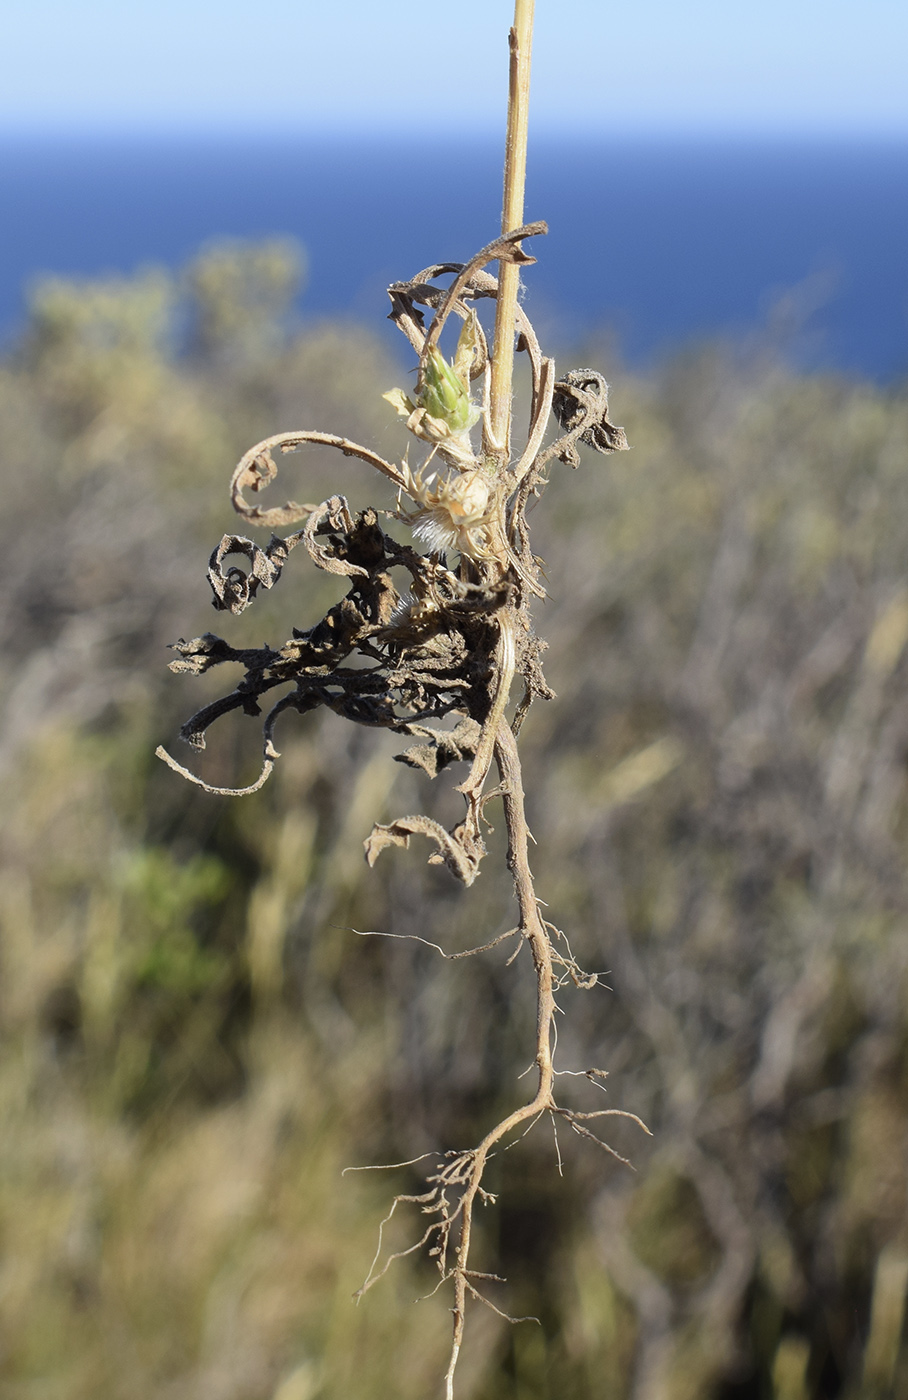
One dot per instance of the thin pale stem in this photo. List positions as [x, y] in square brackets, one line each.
[515, 164]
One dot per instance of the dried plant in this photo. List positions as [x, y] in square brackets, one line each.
[420, 639]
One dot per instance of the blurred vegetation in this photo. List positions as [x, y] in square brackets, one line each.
[194, 1042]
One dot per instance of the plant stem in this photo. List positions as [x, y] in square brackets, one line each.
[534, 931]
[515, 164]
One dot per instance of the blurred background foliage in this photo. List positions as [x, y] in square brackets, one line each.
[193, 1040]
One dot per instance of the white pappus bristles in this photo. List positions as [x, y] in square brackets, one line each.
[453, 513]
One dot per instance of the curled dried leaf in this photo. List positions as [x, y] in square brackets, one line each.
[446, 746]
[257, 469]
[580, 404]
[234, 589]
[462, 859]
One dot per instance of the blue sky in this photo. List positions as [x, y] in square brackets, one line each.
[811, 67]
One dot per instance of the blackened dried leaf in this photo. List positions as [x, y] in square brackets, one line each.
[199, 655]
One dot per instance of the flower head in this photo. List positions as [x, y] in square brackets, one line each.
[455, 512]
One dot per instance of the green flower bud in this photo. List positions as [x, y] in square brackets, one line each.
[444, 395]
[441, 411]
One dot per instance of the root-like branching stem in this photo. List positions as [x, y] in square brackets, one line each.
[536, 934]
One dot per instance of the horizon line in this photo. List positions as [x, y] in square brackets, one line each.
[371, 134]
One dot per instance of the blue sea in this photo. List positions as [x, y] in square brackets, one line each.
[656, 243]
